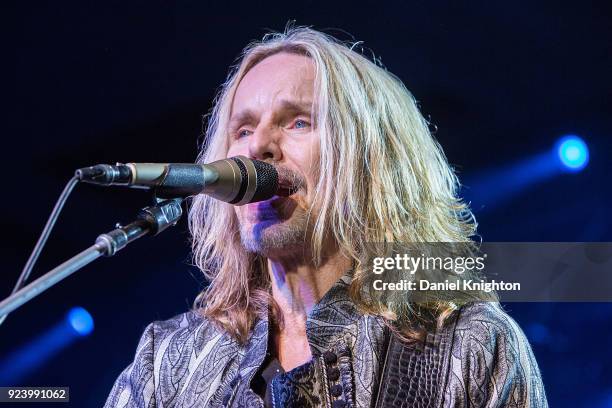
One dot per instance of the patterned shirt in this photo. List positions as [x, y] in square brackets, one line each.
[188, 362]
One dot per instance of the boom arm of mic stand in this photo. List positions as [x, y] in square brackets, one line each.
[150, 220]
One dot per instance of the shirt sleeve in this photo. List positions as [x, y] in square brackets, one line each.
[135, 386]
[492, 364]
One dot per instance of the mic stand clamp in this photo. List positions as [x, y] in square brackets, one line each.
[150, 220]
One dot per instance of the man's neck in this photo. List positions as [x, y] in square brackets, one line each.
[296, 288]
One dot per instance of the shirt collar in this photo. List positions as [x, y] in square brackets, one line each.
[334, 317]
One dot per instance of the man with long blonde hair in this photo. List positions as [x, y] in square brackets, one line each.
[289, 318]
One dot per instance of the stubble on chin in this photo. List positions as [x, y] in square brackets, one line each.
[271, 238]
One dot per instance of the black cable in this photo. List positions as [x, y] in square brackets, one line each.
[42, 240]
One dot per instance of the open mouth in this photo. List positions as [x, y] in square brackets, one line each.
[286, 191]
[289, 182]
[288, 186]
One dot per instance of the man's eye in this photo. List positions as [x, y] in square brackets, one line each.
[301, 124]
[243, 132]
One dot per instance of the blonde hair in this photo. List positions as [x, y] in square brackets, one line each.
[383, 178]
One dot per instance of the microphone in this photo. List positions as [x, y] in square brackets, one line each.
[236, 180]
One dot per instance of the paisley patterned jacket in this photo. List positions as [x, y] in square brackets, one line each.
[481, 360]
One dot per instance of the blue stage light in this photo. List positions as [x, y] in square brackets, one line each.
[573, 152]
[538, 333]
[20, 363]
[80, 320]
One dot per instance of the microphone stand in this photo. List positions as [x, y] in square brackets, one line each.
[150, 220]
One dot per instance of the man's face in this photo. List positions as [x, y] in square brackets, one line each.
[271, 121]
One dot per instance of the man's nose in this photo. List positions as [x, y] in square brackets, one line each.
[264, 144]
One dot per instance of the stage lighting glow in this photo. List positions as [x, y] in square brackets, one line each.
[573, 152]
[538, 333]
[80, 320]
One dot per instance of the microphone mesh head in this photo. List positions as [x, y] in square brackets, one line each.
[267, 181]
[266, 178]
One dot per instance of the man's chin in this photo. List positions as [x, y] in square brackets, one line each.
[271, 238]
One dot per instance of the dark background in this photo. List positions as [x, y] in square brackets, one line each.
[113, 82]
